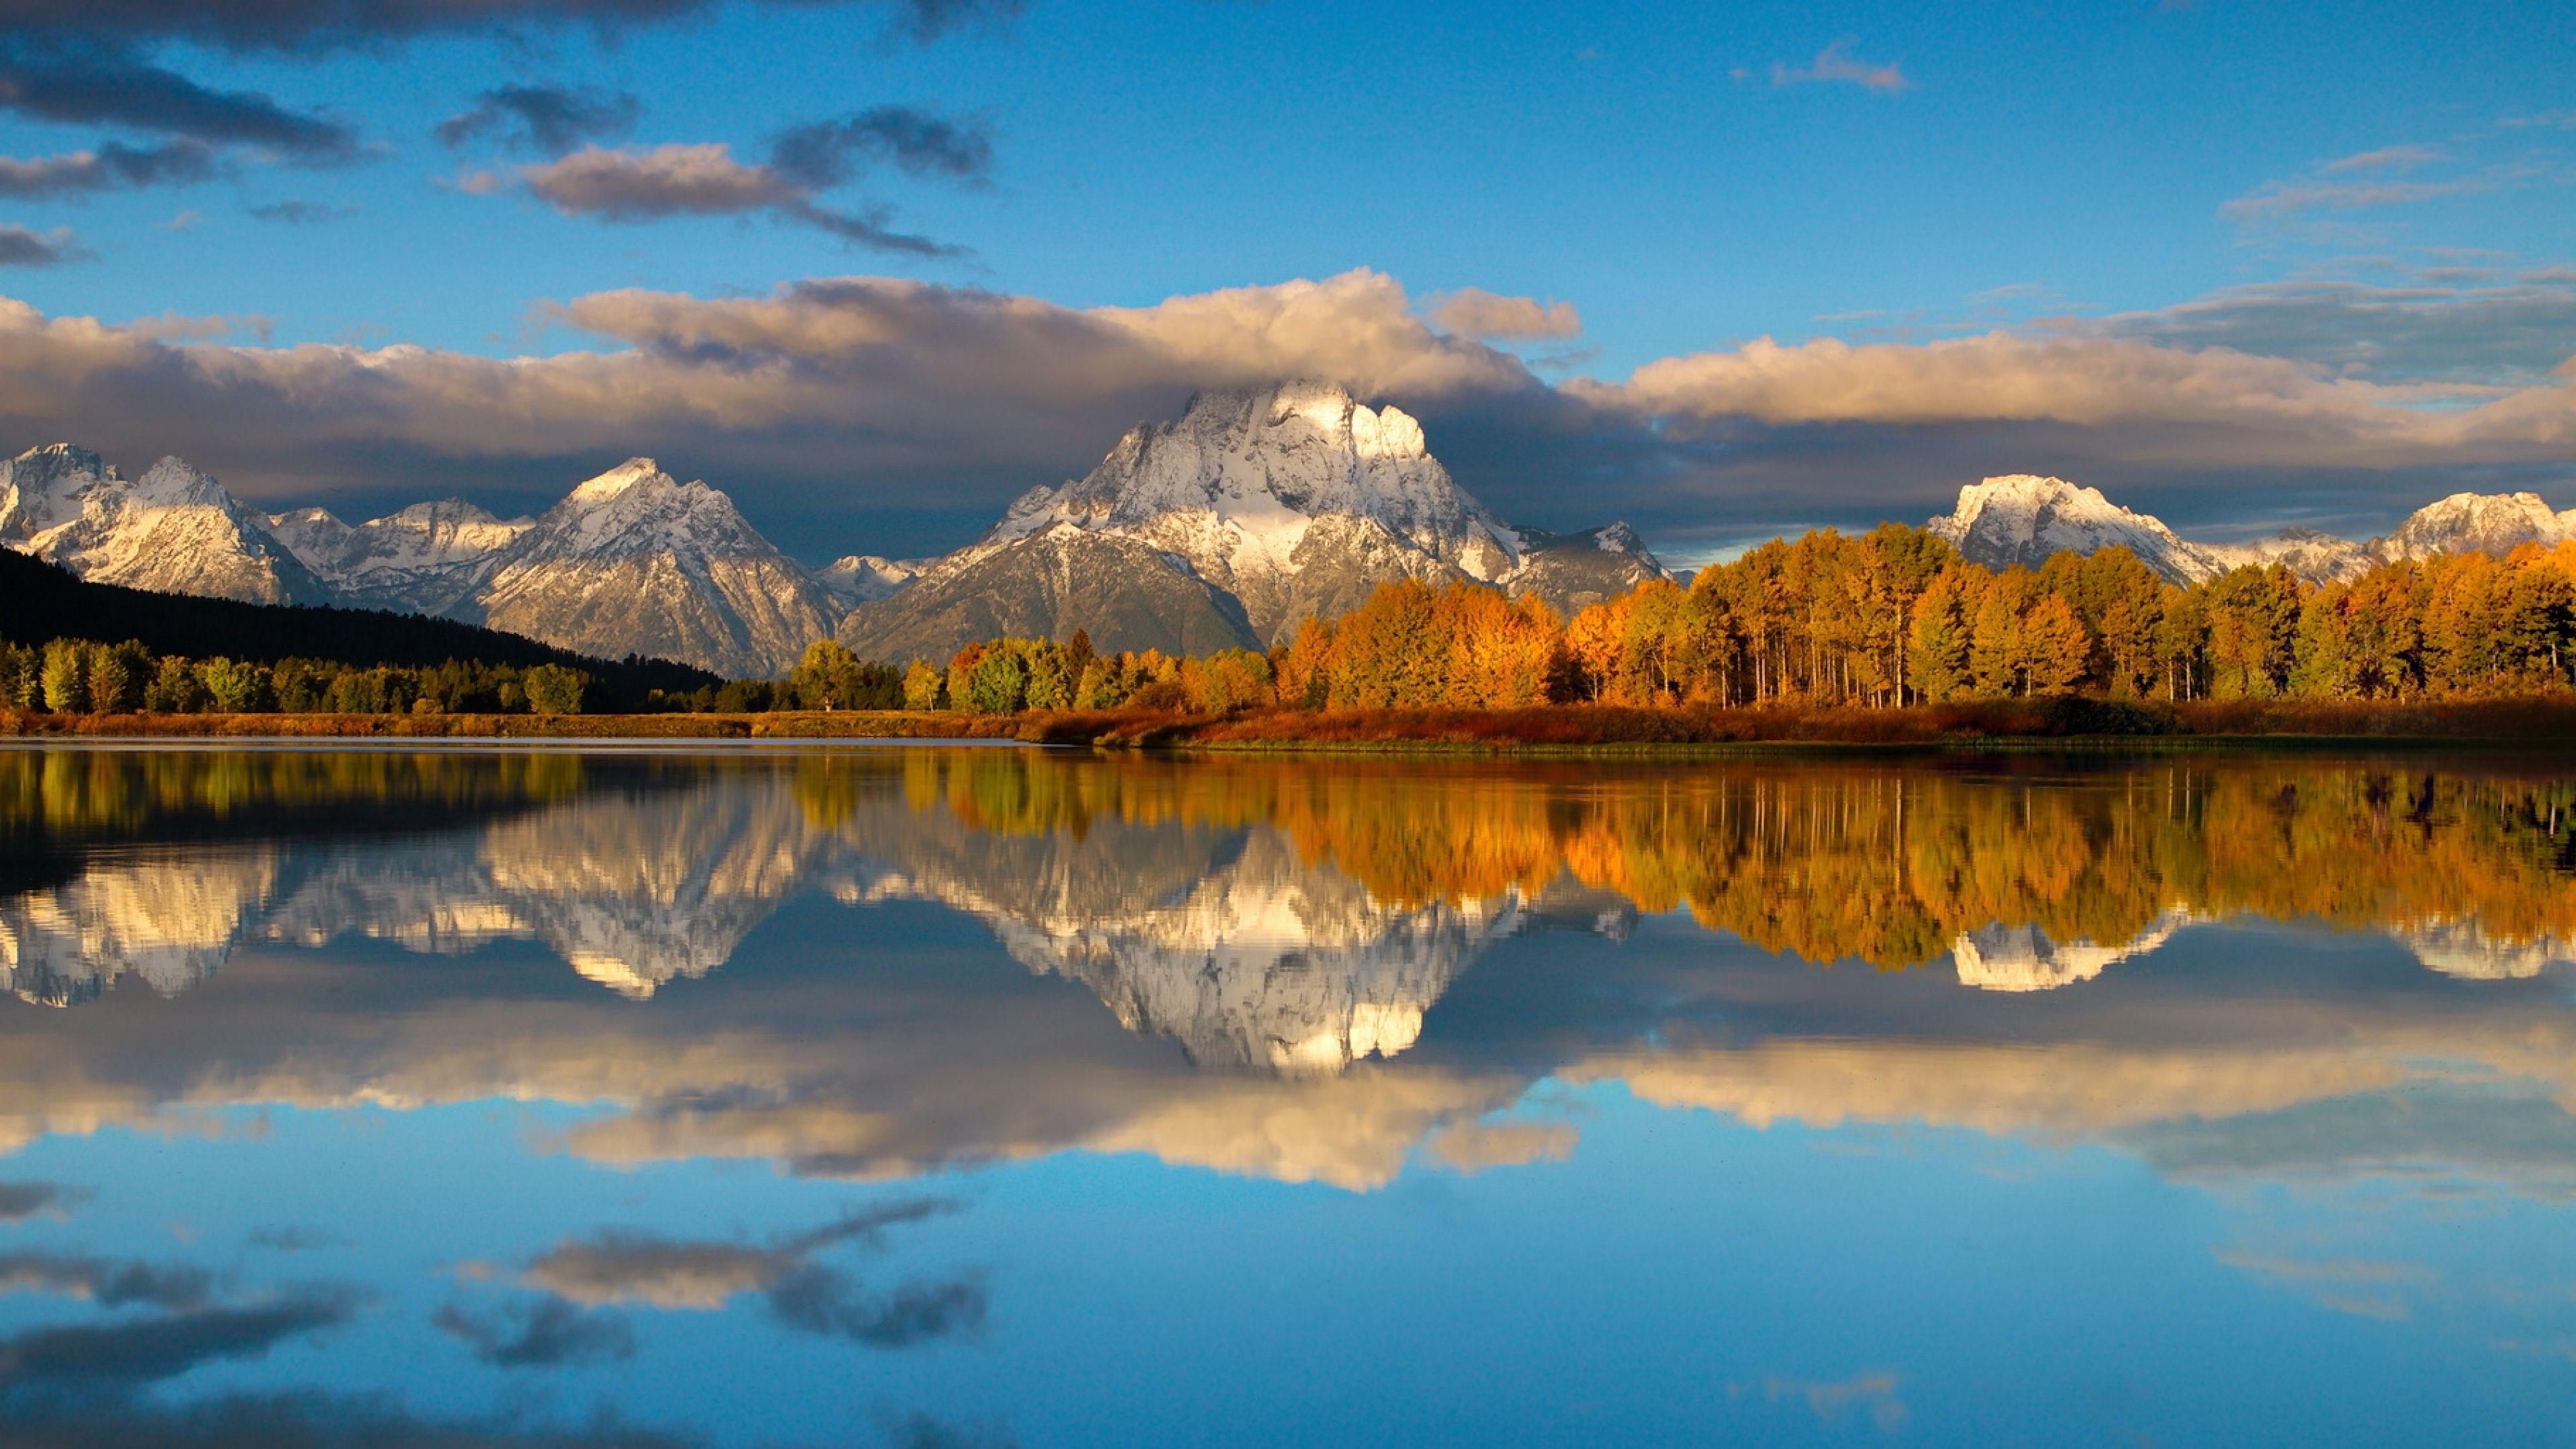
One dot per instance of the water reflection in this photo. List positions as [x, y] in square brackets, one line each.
[2329, 977]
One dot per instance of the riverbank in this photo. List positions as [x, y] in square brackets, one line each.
[1550, 730]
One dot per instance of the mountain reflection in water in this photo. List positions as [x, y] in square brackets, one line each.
[2241, 973]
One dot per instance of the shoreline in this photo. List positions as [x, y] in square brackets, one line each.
[1580, 731]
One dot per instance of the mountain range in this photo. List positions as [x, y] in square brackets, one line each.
[2022, 519]
[1223, 528]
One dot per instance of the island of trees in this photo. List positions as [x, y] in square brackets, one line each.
[1887, 620]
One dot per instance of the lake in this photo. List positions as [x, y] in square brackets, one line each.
[940, 1097]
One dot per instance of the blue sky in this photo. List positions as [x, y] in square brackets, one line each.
[1690, 178]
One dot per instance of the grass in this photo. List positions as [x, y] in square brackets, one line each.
[1585, 729]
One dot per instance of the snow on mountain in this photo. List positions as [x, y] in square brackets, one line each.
[424, 559]
[2021, 519]
[635, 562]
[2025, 958]
[1283, 497]
[2495, 523]
[864, 578]
[2312, 555]
[174, 530]
[1572, 571]
[1290, 501]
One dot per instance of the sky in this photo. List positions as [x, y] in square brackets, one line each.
[876, 267]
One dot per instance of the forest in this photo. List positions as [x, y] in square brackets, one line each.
[1827, 622]
[1885, 619]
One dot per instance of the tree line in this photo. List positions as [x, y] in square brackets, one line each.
[81, 676]
[1887, 618]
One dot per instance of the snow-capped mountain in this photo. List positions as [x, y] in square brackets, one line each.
[424, 559]
[1290, 501]
[2496, 523]
[174, 530]
[863, 578]
[2022, 519]
[2313, 555]
[634, 561]
[2025, 958]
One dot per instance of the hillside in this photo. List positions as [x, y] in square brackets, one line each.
[39, 601]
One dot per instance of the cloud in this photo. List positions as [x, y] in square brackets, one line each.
[829, 153]
[1472, 1147]
[289, 1421]
[1477, 313]
[113, 165]
[2275, 200]
[107, 1283]
[615, 1267]
[2511, 334]
[92, 84]
[20, 247]
[1828, 1401]
[618, 1267]
[1834, 64]
[816, 1299]
[311, 25]
[291, 1239]
[2386, 158]
[802, 1294]
[151, 1349]
[20, 1201]
[542, 120]
[300, 213]
[859, 397]
[548, 1333]
[634, 184]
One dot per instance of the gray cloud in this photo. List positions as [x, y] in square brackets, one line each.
[2508, 334]
[111, 86]
[703, 180]
[111, 166]
[829, 153]
[287, 1421]
[850, 401]
[308, 25]
[290, 1239]
[802, 1294]
[542, 120]
[149, 1350]
[1835, 64]
[110, 1284]
[545, 1333]
[300, 213]
[21, 247]
[816, 1299]
[634, 184]
[20, 1201]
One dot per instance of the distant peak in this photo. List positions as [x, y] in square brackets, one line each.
[618, 479]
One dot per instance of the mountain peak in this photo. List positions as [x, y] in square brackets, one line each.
[2022, 518]
[618, 479]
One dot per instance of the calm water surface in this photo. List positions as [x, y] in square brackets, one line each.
[928, 1097]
